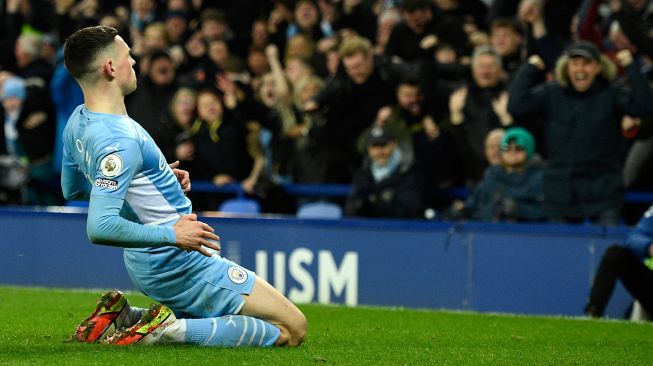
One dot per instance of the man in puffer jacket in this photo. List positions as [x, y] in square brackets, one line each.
[582, 108]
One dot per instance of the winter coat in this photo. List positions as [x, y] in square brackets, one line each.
[582, 176]
[397, 196]
[508, 196]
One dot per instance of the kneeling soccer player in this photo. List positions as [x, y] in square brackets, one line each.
[137, 201]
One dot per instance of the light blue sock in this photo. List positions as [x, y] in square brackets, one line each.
[231, 331]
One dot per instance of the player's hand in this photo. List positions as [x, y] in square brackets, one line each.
[183, 177]
[193, 235]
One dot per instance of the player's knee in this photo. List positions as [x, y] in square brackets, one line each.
[298, 331]
[294, 332]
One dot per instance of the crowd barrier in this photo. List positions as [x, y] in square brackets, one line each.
[526, 269]
[341, 190]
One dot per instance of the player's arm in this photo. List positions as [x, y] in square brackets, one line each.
[106, 226]
[115, 170]
[74, 184]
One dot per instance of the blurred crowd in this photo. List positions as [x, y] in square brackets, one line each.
[540, 108]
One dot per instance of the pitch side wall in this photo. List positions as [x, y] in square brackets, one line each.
[529, 269]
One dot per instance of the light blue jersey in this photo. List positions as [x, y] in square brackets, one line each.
[120, 160]
[135, 199]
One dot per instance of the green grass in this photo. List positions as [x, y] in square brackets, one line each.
[36, 322]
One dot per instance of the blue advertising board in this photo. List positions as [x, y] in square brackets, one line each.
[528, 269]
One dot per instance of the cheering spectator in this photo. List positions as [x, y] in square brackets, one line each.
[149, 104]
[583, 110]
[478, 108]
[351, 102]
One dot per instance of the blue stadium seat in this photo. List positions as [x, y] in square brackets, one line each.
[240, 206]
[76, 204]
[319, 210]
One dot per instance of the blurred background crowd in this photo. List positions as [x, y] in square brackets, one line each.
[539, 108]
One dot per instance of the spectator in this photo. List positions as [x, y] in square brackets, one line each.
[626, 263]
[639, 161]
[478, 108]
[28, 59]
[350, 102]
[438, 159]
[259, 36]
[506, 40]
[29, 125]
[177, 28]
[307, 22]
[149, 104]
[493, 146]
[214, 26]
[417, 134]
[512, 190]
[387, 20]
[143, 12]
[403, 44]
[222, 145]
[583, 111]
[387, 185]
[66, 96]
[181, 115]
[361, 17]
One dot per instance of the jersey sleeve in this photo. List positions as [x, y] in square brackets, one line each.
[105, 226]
[116, 164]
[74, 184]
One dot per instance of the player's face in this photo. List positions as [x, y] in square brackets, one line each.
[124, 67]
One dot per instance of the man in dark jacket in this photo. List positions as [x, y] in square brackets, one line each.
[350, 102]
[387, 185]
[149, 104]
[583, 111]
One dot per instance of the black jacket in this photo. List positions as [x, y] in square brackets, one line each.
[397, 196]
[582, 176]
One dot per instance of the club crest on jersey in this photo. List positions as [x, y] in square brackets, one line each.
[237, 275]
[111, 165]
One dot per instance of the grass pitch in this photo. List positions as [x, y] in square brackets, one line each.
[35, 323]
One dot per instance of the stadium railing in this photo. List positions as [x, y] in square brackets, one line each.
[342, 190]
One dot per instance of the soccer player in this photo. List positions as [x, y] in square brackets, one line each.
[137, 201]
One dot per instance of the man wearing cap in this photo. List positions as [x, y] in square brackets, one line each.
[387, 185]
[582, 109]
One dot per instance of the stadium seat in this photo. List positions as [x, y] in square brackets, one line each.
[76, 204]
[319, 210]
[240, 206]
